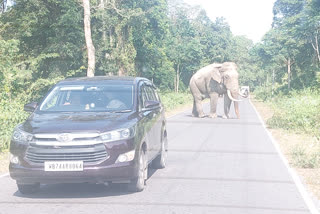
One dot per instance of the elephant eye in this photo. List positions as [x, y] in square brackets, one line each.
[226, 77]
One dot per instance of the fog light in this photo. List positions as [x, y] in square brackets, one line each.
[14, 159]
[129, 156]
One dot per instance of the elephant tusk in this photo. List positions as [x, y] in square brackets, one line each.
[231, 98]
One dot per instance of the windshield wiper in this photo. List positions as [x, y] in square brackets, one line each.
[121, 111]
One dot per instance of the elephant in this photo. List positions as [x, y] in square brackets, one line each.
[212, 81]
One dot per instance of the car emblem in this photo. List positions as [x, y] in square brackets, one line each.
[64, 138]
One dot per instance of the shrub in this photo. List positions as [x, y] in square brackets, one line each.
[11, 114]
[172, 100]
[299, 111]
[263, 93]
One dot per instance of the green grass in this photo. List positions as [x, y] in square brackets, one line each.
[304, 157]
[172, 100]
[298, 112]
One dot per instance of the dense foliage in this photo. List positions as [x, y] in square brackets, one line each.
[42, 41]
[289, 53]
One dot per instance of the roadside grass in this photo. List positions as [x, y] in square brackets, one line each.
[298, 141]
[173, 100]
[300, 112]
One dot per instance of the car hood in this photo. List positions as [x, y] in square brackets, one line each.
[77, 122]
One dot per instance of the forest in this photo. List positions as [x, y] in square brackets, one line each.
[43, 41]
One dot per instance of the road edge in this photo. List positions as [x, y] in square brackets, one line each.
[4, 175]
[301, 188]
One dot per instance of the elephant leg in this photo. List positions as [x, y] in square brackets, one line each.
[213, 104]
[197, 98]
[227, 104]
[236, 109]
[199, 108]
[194, 109]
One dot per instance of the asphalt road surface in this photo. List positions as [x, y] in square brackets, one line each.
[222, 166]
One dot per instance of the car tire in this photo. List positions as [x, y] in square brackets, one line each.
[160, 161]
[28, 188]
[137, 184]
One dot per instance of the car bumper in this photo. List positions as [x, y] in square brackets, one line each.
[122, 172]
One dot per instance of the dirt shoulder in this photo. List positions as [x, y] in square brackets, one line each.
[289, 142]
[4, 162]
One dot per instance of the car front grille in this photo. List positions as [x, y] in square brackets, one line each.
[91, 154]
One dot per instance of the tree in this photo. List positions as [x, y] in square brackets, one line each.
[286, 17]
[89, 43]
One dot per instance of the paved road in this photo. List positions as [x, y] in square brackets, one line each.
[215, 166]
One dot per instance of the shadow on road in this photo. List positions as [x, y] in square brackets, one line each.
[84, 190]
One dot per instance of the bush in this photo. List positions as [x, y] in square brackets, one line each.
[172, 100]
[263, 93]
[11, 114]
[299, 111]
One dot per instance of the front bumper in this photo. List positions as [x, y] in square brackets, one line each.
[121, 172]
[105, 170]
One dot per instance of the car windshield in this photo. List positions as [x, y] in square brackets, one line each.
[93, 98]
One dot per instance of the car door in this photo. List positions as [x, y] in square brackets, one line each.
[156, 121]
[146, 121]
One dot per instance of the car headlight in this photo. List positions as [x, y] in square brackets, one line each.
[128, 156]
[119, 134]
[21, 136]
[14, 159]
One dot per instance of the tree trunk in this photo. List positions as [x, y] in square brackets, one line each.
[121, 71]
[177, 78]
[273, 77]
[289, 73]
[3, 6]
[104, 34]
[315, 46]
[89, 43]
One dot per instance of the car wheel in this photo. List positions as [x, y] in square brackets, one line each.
[28, 188]
[160, 161]
[137, 184]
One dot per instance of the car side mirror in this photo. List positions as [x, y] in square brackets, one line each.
[152, 104]
[30, 107]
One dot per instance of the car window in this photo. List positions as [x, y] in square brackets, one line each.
[150, 93]
[89, 98]
[142, 96]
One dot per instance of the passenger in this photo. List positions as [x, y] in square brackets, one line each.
[113, 102]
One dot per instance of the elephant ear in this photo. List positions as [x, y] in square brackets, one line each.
[215, 75]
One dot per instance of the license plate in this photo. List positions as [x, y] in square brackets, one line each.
[62, 166]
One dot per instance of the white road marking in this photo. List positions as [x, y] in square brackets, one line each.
[4, 175]
[305, 195]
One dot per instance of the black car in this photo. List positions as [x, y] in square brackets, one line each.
[97, 130]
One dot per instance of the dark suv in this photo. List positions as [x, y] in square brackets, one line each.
[97, 130]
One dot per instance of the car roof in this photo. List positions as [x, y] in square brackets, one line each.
[103, 79]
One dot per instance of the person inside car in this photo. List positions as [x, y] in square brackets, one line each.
[113, 102]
